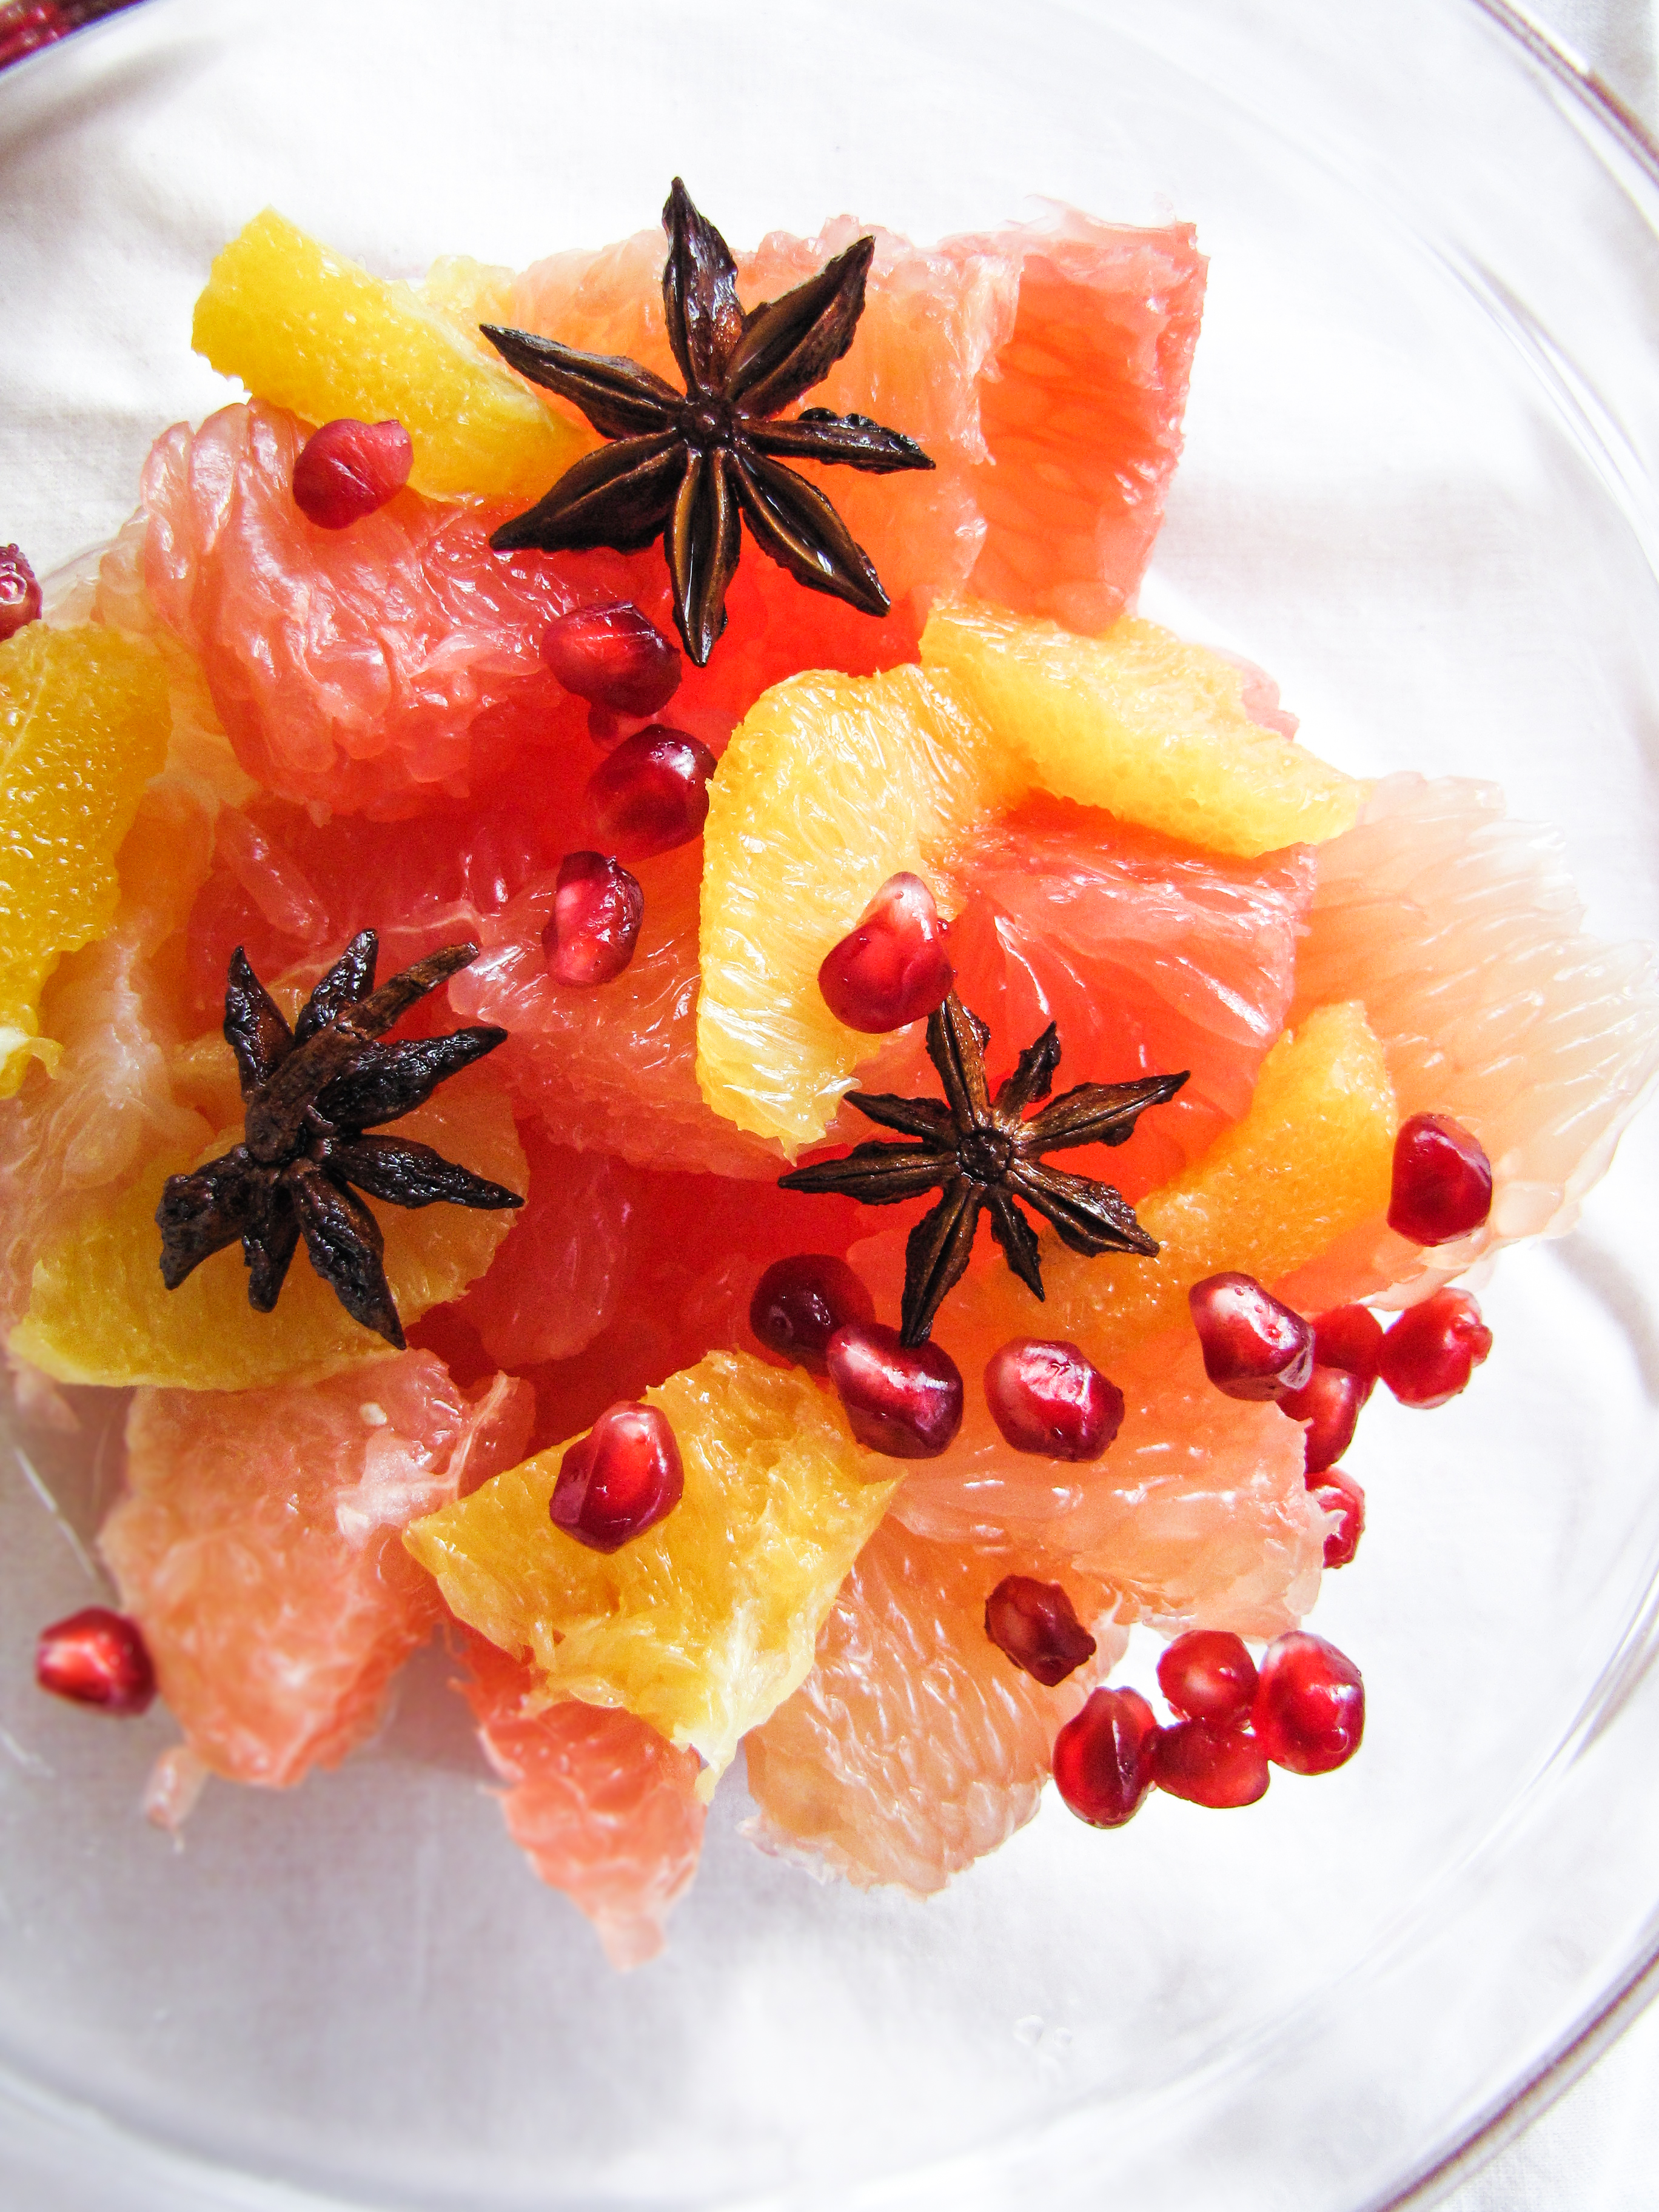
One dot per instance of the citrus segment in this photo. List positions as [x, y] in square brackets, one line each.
[915, 1745]
[1140, 722]
[1464, 938]
[831, 785]
[257, 1548]
[705, 1623]
[100, 1312]
[599, 1804]
[313, 331]
[83, 727]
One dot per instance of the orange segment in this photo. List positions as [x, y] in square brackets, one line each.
[314, 332]
[83, 725]
[100, 1312]
[1140, 723]
[705, 1624]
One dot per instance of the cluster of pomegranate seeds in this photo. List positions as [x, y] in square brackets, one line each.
[1328, 1403]
[1035, 1625]
[1340, 1495]
[1047, 1399]
[96, 1657]
[894, 967]
[348, 471]
[1442, 1180]
[650, 794]
[903, 1399]
[1104, 1757]
[1431, 1351]
[20, 594]
[620, 1480]
[1253, 1346]
[597, 910]
[614, 657]
[800, 1302]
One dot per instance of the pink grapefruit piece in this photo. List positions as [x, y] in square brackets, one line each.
[258, 1546]
[603, 1807]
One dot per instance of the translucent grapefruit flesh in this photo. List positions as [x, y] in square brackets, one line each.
[257, 1548]
[599, 1804]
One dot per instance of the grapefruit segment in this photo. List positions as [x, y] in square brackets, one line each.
[257, 1548]
[311, 330]
[1138, 721]
[599, 1804]
[705, 1623]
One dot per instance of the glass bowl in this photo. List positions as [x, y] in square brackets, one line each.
[1420, 487]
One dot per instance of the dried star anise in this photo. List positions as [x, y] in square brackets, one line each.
[311, 1092]
[687, 465]
[988, 1152]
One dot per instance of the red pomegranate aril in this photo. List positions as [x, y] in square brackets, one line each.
[1207, 1675]
[1310, 1711]
[615, 657]
[901, 1400]
[1329, 1404]
[618, 1481]
[1253, 1347]
[20, 594]
[800, 1302]
[1103, 1758]
[96, 1657]
[650, 794]
[894, 964]
[1215, 1763]
[1350, 1338]
[1442, 1180]
[1035, 1625]
[595, 924]
[1431, 1351]
[348, 471]
[1339, 1494]
[1049, 1399]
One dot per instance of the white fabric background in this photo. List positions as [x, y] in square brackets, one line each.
[1597, 2149]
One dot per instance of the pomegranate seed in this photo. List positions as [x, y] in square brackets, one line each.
[20, 595]
[1442, 1180]
[1253, 1346]
[902, 1401]
[1328, 1402]
[799, 1304]
[620, 1480]
[895, 966]
[1350, 1338]
[650, 794]
[614, 657]
[348, 470]
[1215, 1763]
[1207, 1675]
[1310, 1711]
[1035, 1625]
[1047, 1398]
[1103, 1758]
[1431, 1351]
[595, 924]
[96, 1657]
[1339, 1494]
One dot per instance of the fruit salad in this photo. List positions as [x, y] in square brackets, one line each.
[660, 1040]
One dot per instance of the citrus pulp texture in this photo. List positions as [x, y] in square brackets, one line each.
[915, 1745]
[704, 1622]
[601, 1806]
[257, 1548]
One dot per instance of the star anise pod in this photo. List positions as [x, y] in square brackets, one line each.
[311, 1092]
[985, 1152]
[687, 465]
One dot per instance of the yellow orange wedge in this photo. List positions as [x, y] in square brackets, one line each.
[706, 1623]
[83, 727]
[315, 334]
